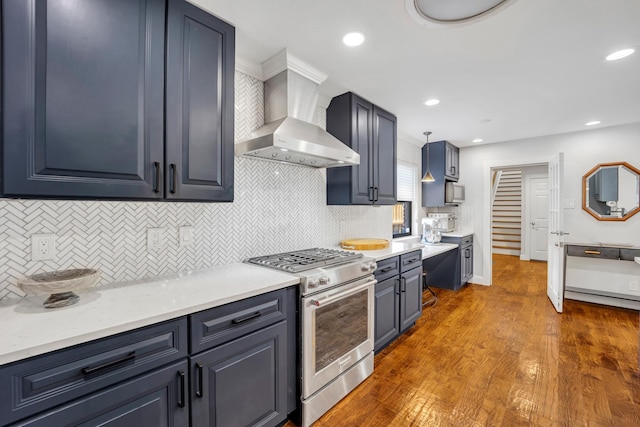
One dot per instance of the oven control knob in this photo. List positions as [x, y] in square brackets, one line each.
[370, 266]
[324, 280]
[313, 283]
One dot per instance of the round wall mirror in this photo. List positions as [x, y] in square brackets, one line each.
[610, 191]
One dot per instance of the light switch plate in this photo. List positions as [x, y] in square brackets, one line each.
[185, 235]
[569, 204]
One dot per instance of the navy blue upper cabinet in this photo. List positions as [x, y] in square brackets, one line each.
[84, 100]
[372, 133]
[444, 164]
[199, 122]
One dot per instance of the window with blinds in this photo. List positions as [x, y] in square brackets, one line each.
[406, 181]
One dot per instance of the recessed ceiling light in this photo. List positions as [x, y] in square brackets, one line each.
[478, 140]
[593, 123]
[620, 54]
[432, 102]
[353, 39]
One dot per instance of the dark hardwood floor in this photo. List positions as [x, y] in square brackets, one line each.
[502, 356]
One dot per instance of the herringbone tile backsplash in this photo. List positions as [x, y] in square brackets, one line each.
[276, 208]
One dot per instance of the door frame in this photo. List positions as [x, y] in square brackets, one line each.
[487, 240]
[525, 255]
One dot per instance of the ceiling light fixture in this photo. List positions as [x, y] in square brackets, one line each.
[446, 12]
[592, 123]
[478, 140]
[353, 39]
[620, 54]
[427, 176]
[432, 102]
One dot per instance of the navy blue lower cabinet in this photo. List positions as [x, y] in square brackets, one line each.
[157, 399]
[463, 268]
[398, 297]
[242, 382]
[410, 297]
[387, 316]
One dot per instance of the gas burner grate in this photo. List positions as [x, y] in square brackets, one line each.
[306, 259]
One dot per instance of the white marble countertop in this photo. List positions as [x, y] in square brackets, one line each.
[461, 233]
[405, 245]
[29, 329]
[399, 248]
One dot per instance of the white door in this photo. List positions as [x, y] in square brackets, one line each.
[555, 247]
[538, 202]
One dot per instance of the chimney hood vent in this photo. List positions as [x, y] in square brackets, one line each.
[289, 135]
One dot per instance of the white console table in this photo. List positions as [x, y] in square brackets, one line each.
[603, 274]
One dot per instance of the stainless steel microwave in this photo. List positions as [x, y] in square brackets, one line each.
[454, 193]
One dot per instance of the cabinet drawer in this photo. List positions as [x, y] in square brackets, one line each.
[593, 252]
[466, 241]
[42, 382]
[410, 260]
[627, 254]
[387, 268]
[158, 398]
[218, 325]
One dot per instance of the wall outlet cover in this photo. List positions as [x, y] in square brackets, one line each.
[155, 239]
[43, 247]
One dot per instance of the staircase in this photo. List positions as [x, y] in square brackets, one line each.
[506, 212]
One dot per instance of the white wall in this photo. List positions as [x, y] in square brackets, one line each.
[582, 151]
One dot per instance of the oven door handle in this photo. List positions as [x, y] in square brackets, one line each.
[317, 302]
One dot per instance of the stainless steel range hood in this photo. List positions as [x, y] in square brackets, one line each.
[289, 134]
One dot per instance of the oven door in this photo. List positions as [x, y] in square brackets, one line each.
[337, 332]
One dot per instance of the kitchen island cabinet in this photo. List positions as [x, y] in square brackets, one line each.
[372, 133]
[86, 119]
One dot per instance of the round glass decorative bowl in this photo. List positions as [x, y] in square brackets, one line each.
[60, 284]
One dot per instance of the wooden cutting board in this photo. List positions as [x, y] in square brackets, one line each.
[364, 244]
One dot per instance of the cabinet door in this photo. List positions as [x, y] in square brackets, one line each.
[83, 98]
[410, 297]
[452, 159]
[199, 122]
[243, 382]
[384, 159]
[158, 399]
[387, 315]
[361, 142]
[467, 273]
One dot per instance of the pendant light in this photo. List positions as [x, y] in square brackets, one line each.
[427, 176]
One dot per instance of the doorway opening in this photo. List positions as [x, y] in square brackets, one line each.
[519, 212]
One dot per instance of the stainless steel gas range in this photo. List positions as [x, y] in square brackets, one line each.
[337, 321]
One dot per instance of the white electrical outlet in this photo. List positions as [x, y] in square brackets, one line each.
[155, 239]
[633, 285]
[43, 247]
[185, 235]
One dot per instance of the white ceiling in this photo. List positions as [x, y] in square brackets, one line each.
[534, 68]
